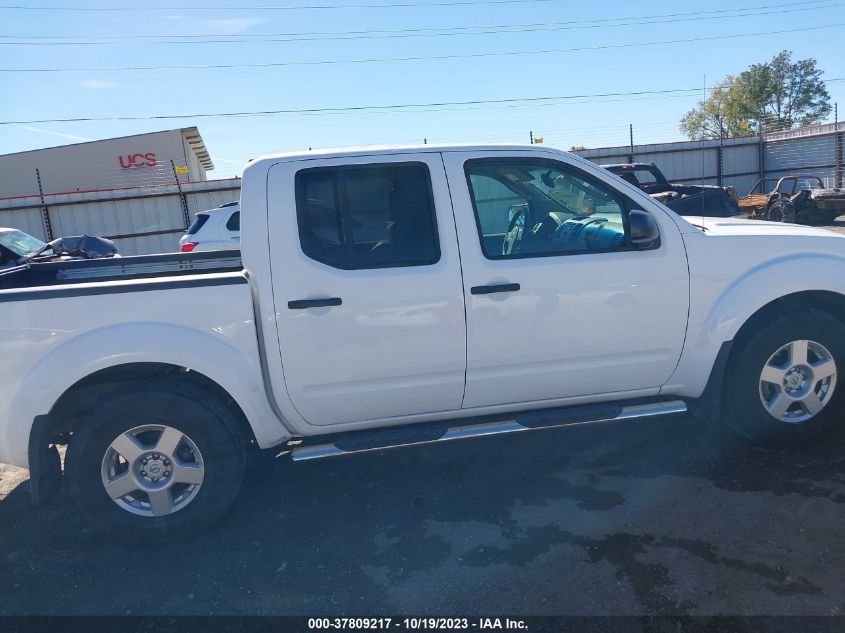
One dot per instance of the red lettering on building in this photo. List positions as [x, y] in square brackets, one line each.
[131, 161]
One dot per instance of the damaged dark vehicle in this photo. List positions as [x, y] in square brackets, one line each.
[700, 200]
[795, 199]
[18, 248]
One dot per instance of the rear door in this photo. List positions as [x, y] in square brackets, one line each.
[367, 287]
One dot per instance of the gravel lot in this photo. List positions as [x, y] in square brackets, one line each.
[654, 517]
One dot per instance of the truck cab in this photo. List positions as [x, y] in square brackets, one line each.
[460, 280]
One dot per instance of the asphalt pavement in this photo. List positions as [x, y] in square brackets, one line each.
[664, 516]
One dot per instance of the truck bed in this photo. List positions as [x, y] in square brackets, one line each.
[137, 267]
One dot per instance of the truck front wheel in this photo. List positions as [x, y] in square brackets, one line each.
[783, 387]
[161, 461]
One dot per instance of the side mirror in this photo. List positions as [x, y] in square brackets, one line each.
[645, 233]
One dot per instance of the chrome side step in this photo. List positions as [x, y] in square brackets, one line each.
[514, 425]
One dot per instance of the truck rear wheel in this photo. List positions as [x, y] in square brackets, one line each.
[162, 461]
[783, 390]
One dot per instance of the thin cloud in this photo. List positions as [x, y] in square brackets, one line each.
[227, 160]
[99, 84]
[41, 130]
[231, 26]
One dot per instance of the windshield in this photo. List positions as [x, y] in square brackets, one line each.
[20, 243]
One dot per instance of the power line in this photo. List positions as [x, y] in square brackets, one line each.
[425, 32]
[383, 108]
[423, 57]
[402, 106]
[594, 21]
[301, 7]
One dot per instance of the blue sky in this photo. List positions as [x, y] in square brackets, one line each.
[608, 65]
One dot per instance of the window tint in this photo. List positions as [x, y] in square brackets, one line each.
[234, 222]
[528, 208]
[198, 223]
[371, 216]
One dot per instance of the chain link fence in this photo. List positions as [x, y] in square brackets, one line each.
[148, 217]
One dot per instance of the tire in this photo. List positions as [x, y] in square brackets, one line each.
[206, 465]
[754, 406]
[781, 211]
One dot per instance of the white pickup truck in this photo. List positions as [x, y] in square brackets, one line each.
[389, 297]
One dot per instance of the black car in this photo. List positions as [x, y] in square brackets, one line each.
[700, 200]
[17, 248]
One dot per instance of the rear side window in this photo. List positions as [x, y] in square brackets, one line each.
[234, 222]
[372, 216]
[198, 223]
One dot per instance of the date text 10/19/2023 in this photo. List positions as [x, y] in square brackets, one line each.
[417, 624]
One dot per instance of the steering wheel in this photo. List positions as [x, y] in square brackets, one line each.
[513, 238]
[583, 223]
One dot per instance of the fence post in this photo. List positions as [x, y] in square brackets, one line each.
[45, 212]
[837, 143]
[185, 213]
[720, 161]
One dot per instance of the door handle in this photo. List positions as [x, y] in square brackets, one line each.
[303, 304]
[488, 290]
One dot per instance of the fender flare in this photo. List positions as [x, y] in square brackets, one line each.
[758, 287]
[767, 282]
[160, 343]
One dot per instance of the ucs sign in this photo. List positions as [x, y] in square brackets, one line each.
[131, 161]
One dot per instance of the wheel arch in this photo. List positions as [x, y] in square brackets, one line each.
[75, 404]
[709, 405]
[226, 365]
[825, 300]
[82, 396]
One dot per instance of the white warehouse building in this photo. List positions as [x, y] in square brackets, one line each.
[140, 191]
[155, 158]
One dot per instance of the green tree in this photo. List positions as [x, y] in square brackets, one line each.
[782, 94]
[724, 114]
[775, 95]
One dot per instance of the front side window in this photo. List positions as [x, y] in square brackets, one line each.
[372, 216]
[532, 208]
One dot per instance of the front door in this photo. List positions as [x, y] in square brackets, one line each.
[559, 302]
[367, 287]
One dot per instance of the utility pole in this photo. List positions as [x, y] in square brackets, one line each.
[531, 136]
[45, 213]
[631, 138]
[838, 150]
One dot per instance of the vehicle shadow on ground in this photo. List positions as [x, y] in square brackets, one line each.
[656, 517]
